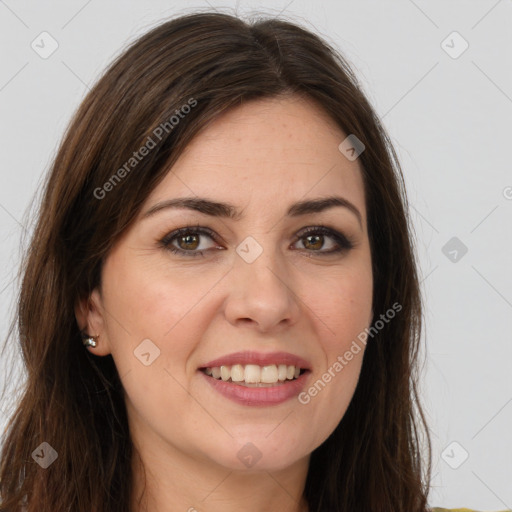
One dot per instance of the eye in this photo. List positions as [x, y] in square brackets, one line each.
[186, 241]
[313, 239]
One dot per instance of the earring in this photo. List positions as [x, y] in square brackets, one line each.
[89, 341]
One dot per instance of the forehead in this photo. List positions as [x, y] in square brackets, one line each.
[269, 153]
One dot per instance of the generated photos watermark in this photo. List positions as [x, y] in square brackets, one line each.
[342, 361]
[151, 142]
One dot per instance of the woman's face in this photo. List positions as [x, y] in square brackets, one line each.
[279, 285]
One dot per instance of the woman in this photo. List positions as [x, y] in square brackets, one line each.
[220, 305]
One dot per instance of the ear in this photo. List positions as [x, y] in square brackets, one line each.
[89, 313]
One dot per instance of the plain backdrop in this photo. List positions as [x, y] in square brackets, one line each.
[439, 75]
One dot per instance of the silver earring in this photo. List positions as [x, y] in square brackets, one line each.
[89, 341]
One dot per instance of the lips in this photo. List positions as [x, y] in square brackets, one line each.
[253, 378]
[259, 359]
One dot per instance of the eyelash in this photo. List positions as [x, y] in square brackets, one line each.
[343, 242]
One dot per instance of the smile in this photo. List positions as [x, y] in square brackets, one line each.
[256, 379]
[252, 375]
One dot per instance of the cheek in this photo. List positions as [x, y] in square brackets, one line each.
[153, 300]
[150, 307]
[344, 306]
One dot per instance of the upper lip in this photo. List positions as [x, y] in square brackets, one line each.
[259, 358]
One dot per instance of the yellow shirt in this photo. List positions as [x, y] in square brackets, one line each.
[459, 510]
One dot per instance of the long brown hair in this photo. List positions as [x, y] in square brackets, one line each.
[72, 400]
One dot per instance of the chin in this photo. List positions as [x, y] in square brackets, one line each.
[259, 453]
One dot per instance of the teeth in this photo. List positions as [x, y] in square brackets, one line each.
[237, 373]
[225, 373]
[254, 374]
[269, 374]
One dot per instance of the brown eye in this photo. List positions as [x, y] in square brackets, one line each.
[314, 242]
[186, 241]
[316, 238]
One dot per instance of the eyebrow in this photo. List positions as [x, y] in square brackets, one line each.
[225, 210]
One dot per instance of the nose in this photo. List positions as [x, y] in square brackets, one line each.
[262, 294]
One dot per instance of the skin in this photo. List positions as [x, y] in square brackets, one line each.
[261, 157]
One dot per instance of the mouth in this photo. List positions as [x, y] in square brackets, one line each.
[256, 379]
[255, 376]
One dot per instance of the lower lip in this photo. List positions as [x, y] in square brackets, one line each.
[258, 396]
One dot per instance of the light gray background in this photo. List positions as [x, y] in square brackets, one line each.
[449, 119]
